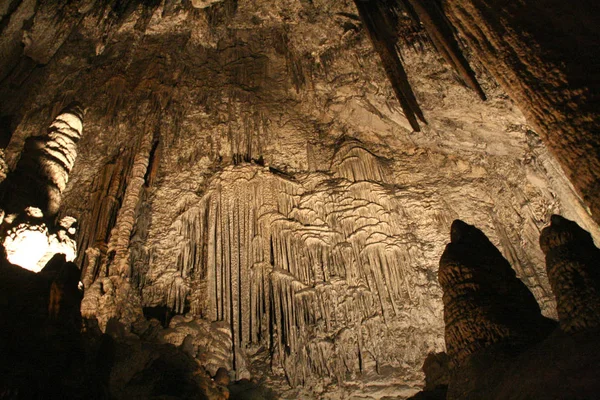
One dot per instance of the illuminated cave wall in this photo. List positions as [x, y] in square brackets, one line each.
[248, 164]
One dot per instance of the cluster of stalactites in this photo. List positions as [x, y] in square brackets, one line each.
[287, 261]
[484, 301]
[381, 22]
[355, 163]
[31, 195]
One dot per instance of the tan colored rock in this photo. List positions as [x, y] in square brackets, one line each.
[547, 62]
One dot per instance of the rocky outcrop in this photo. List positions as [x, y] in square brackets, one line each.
[485, 304]
[30, 196]
[573, 265]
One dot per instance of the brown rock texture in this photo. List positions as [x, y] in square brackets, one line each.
[484, 302]
[248, 171]
[573, 265]
[544, 53]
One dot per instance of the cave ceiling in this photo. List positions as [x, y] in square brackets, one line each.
[283, 173]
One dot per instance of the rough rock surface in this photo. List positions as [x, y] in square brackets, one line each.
[272, 127]
[560, 365]
[484, 302]
[548, 65]
[573, 265]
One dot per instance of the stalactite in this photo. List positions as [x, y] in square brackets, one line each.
[106, 197]
[381, 20]
[292, 263]
[380, 23]
[440, 33]
[355, 163]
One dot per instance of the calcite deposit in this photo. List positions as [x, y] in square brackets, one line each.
[264, 189]
[43, 169]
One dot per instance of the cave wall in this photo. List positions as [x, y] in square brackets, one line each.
[544, 53]
[249, 162]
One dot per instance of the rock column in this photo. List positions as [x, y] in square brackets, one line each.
[43, 170]
[484, 302]
[573, 266]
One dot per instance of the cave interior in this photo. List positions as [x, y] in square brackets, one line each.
[316, 199]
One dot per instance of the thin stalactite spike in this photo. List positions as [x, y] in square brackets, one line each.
[378, 24]
[440, 33]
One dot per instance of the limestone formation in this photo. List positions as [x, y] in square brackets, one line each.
[252, 192]
[493, 357]
[43, 170]
[573, 265]
[305, 265]
[484, 302]
[548, 65]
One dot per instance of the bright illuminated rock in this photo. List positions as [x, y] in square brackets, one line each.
[26, 244]
[43, 169]
[29, 244]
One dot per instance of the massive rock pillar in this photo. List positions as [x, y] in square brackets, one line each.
[573, 265]
[544, 53]
[484, 301]
[43, 170]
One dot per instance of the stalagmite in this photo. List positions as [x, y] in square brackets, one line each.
[484, 302]
[43, 170]
[573, 265]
